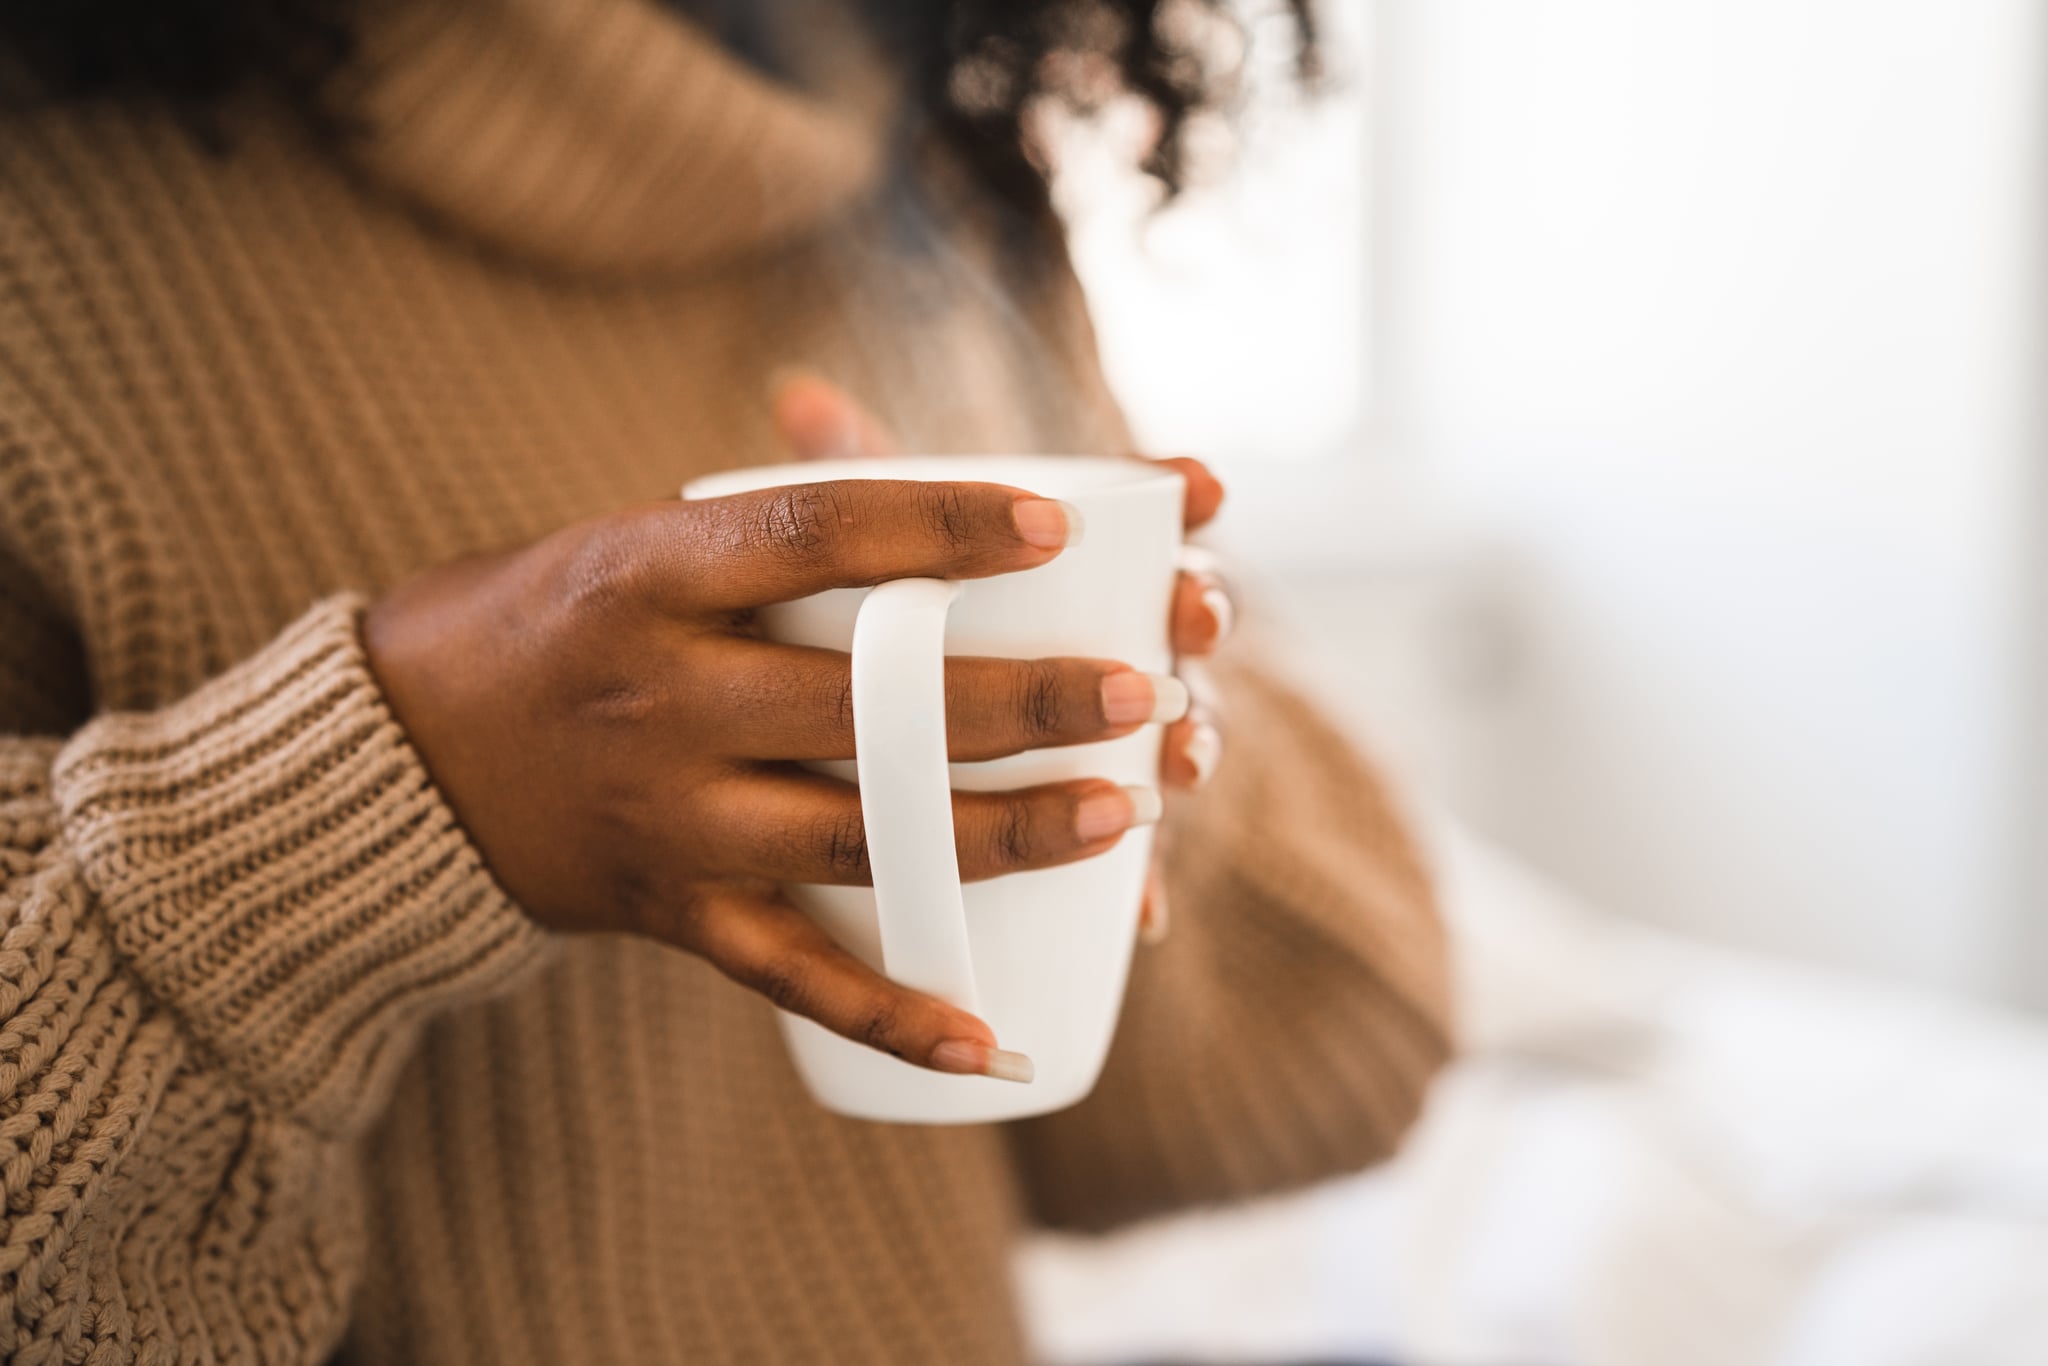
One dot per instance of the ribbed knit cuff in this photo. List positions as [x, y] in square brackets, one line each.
[275, 864]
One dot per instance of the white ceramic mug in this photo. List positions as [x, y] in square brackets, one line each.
[1042, 956]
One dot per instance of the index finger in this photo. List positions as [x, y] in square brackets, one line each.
[1205, 490]
[778, 544]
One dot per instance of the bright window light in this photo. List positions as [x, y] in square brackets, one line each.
[1233, 323]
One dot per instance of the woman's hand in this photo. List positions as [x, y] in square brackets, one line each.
[820, 421]
[623, 747]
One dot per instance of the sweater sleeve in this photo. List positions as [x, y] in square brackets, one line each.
[1289, 1026]
[221, 923]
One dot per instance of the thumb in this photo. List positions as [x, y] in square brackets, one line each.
[820, 421]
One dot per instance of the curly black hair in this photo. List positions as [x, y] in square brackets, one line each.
[976, 67]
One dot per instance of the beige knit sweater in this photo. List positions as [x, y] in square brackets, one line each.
[282, 1072]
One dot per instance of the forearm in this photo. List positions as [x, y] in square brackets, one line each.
[273, 863]
[220, 924]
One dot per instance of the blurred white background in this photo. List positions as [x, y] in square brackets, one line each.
[1636, 406]
[1634, 416]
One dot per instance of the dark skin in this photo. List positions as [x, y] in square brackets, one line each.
[541, 685]
[621, 744]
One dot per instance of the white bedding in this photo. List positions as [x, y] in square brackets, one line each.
[1653, 1154]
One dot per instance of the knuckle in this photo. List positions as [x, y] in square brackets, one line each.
[641, 905]
[600, 572]
[1041, 701]
[620, 700]
[796, 523]
[1012, 837]
[784, 982]
[839, 703]
[948, 515]
[845, 847]
[879, 1024]
[628, 900]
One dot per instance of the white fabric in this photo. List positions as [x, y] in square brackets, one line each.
[1654, 1154]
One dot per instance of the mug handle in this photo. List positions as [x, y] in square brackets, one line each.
[906, 788]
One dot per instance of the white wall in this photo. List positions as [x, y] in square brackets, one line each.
[1724, 310]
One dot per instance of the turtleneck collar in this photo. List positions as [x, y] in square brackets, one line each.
[614, 137]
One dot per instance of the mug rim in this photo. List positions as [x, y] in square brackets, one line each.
[1111, 474]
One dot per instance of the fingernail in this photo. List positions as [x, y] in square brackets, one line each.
[1203, 749]
[983, 1060]
[1103, 815]
[1218, 603]
[1111, 813]
[1046, 522]
[1158, 919]
[1131, 698]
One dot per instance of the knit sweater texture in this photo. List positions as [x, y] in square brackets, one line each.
[284, 1076]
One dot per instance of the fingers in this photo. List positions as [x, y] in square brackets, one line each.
[775, 545]
[791, 702]
[1205, 490]
[1154, 914]
[1202, 614]
[786, 825]
[768, 946]
[818, 420]
[1189, 753]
